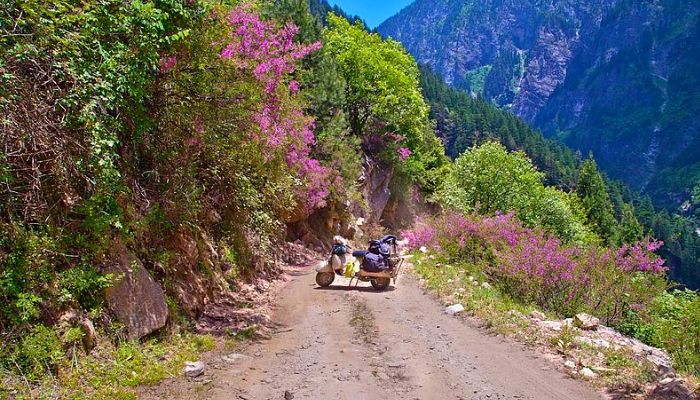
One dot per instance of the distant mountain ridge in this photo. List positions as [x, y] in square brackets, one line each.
[613, 77]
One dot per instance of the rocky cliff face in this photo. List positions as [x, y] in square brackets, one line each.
[613, 77]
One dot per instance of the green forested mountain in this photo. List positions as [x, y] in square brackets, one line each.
[612, 77]
[464, 121]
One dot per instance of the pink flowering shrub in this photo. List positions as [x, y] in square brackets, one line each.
[536, 267]
[270, 54]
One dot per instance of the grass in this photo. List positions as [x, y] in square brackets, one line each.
[111, 371]
[362, 320]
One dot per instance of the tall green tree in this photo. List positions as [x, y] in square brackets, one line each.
[382, 92]
[383, 104]
[596, 201]
[630, 230]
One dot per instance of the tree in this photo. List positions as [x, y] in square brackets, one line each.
[591, 189]
[383, 103]
[382, 93]
[630, 229]
[488, 180]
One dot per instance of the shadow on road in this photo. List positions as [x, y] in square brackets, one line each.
[346, 288]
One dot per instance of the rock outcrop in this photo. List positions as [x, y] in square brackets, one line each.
[376, 183]
[136, 299]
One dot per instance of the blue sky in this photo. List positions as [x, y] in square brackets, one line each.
[374, 12]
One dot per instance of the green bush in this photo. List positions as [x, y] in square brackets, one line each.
[39, 352]
[488, 179]
[34, 274]
[672, 321]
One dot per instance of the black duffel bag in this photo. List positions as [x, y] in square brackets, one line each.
[375, 263]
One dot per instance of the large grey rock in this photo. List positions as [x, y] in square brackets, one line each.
[375, 180]
[586, 322]
[454, 309]
[587, 373]
[135, 299]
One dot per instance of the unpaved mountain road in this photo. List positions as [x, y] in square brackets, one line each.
[342, 343]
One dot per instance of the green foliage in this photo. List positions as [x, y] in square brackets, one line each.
[78, 77]
[672, 322]
[682, 246]
[110, 371]
[476, 79]
[593, 193]
[383, 101]
[382, 80]
[488, 179]
[39, 352]
[331, 99]
[630, 229]
[30, 281]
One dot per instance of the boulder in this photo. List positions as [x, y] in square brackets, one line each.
[672, 389]
[586, 322]
[89, 334]
[538, 315]
[136, 299]
[454, 309]
[194, 369]
[587, 373]
[72, 318]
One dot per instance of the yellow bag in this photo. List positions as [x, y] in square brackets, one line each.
[349, 270]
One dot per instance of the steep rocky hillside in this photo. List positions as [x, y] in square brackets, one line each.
[604, 76]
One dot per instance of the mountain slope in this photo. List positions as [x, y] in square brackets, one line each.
[462, 122]
[612, 77]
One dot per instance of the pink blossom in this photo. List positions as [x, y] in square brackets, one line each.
[293, 87]
[404, 153]
[535, 266]
[167, 63]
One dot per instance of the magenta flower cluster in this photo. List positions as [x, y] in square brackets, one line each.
[404, 153]
[270, 54]
[259, 45]
[167, 63]
[536, 267]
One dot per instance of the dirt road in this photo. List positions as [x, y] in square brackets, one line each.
[339, 343]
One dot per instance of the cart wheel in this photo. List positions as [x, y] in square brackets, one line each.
[380, 283]
[324, 279]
